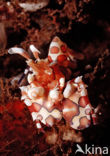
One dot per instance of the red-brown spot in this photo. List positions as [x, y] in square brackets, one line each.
[83, 101]
[70, 109]
[54, 50]
[63, 48]
[50, 121]
[84, 123]
[61, 58]
[34, 107]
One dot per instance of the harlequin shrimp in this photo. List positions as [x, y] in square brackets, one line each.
[48, 94]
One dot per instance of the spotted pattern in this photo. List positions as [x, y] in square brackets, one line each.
[49, 95]
[82, 117]
[47, 117]
[58, 51]
[54, 50]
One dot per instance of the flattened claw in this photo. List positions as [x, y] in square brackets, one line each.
[35, 51]
[19, 51]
